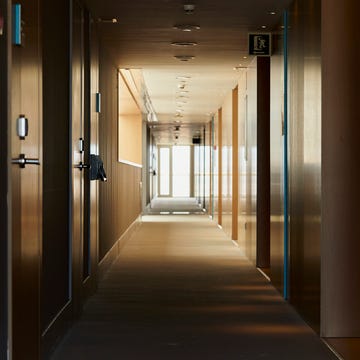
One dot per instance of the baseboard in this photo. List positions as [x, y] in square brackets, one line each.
[113, 253]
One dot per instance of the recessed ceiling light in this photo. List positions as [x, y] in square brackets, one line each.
[272, 12]
[244, 57]
[237, 68]
[184, 43]
[184, 57]
[183, 77]
[263, 26]
[186, 27]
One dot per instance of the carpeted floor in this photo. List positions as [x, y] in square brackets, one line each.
[175, 205]
[181, 290]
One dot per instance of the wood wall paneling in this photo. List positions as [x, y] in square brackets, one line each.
[251, 118]
[5, 89]
[235, 163]
[305, 158]
[227, 152]
[55, 277]
[340, 191]
[219, 168]
[120, 197]
[276, 163]
[26, 191]
[263, 164]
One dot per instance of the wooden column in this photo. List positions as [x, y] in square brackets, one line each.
[235, 164]
[340, 245]
[263, 163]
[220, 172]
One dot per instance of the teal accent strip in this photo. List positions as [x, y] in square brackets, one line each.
[286, 175]
[98, 102]
[16, 24]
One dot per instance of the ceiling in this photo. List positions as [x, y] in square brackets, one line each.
[142, 38]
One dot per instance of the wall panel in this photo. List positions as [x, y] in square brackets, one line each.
[263, 163]
[120, 197]
[56, 245]
[340, 245]
[4, 183]
[227, 170]
[251, 160]
[305, 158]
[276, 162]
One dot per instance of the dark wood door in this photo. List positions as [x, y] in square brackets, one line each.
[4, 183]
[84, 139]
[26, 186]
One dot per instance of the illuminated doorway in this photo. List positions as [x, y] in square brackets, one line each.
[175, 171]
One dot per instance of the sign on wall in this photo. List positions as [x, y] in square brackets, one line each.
[260, 44]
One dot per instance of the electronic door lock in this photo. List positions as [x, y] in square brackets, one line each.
[22, 127]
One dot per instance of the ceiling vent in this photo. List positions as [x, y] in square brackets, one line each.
[186, 27]
[184, 43]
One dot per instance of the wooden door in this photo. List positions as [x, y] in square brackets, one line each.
[84, 136]
[4, 183]
[26, 187]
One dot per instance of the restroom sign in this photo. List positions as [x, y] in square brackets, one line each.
[260, 44]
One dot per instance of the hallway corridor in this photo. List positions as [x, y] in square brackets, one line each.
[182, 290]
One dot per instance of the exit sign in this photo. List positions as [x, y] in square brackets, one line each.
[260, 44]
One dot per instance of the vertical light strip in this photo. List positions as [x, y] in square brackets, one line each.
[286, 175]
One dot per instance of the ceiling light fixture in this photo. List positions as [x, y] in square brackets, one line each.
[184, 43]
[272, 12]
[184, 57]
[237, 68]
[263, 26]
[183, 77]
[186, 27]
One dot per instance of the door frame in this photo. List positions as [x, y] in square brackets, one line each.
[159, 147]
[5, 183]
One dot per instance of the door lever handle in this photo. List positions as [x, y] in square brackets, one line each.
[22, 161]
[82, 166]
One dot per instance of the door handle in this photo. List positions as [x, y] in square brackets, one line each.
[22, 161]
[82, 166]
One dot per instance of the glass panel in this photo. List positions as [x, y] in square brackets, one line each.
[181, 171]
[164, 172]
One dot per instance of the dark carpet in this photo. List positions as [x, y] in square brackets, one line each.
[181, 290]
